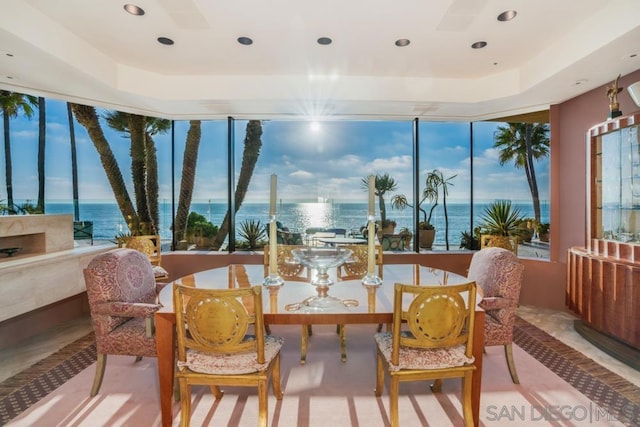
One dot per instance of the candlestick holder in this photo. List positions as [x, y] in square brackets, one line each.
[273, 280]
[371, 280]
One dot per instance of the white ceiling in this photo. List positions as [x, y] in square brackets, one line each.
[93, 52]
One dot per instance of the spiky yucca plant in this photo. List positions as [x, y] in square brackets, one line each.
[252, 231]
[501, 219]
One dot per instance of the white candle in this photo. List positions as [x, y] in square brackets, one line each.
[371, 259]
[272, 200]
[372, 191]
[273, 247]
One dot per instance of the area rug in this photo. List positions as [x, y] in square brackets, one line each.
[559, 386]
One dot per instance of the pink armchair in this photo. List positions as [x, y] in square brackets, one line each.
[122, 294]
[499, 273]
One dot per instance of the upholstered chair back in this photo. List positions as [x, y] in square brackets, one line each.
[499, 273]
[117, 276]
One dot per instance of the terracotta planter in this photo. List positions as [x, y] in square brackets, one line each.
[426, 238]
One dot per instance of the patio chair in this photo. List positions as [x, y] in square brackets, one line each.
[122, 295]
[221, 342]
[436, 341]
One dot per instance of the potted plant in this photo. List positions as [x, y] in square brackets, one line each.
[199, 230]
[383, 184]
[406, 235]
[527, 227]
[470, 241]
[500, 225]
[543, 231]
[434, 182]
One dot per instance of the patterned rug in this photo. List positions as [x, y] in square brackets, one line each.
[606, 389]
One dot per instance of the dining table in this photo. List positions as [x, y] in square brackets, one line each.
[285, 305]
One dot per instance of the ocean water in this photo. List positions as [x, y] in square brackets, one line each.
[108, 222]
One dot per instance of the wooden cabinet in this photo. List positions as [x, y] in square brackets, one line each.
[603, 279]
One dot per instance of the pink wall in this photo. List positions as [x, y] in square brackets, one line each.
[569, 121]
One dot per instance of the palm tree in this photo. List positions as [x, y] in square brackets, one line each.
[523, 143]
[445, 183]
[154, 127]
[133, 125]
[189, 161]
[383, 184]
[88, 118]
[250, 154]
[11, 103]
[42, 129]
[144, 163]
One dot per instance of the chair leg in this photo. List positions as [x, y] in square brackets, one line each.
[343, 344]
[263, 407]
[138, 358]
[217, 393]
[467, 410]
[185, 403]
[436, 386]
[394, 389]
[303, 345]
[277, 388]
[508, 352]
[379, 375]
[97, 379]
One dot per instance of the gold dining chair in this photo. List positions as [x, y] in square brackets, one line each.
[150, 245]
[436, 342]
[222, 342]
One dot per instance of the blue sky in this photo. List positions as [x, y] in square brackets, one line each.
[327, 160]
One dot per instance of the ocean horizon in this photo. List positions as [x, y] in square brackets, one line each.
[108, 221]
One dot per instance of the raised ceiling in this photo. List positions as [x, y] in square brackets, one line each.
[96, 53]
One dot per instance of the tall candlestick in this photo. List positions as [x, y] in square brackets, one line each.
[273, 246]
[372, 192]
[371, 250]
[272, 199]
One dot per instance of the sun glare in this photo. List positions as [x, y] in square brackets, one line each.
[315, 127]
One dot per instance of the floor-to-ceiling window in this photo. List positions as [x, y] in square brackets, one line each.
[320, 168]
[445, 154]
[499, 171]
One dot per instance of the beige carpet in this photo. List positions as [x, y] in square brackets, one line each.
[326, 392]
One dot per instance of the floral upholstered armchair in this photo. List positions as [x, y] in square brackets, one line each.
[499, 273]
[122, 294]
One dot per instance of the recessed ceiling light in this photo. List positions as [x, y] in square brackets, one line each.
[507, 15]
[245, 41]
[479, 45]
[403, 42]
[324, 41]
[165, 40]
[133, 9]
